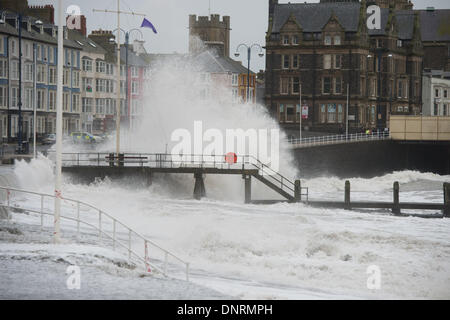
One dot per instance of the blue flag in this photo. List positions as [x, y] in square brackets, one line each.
[148, 24]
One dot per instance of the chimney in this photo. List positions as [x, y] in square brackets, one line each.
[81, 27]
[45, 13]
[102, 37]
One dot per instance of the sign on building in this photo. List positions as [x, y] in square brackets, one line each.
[304, 112]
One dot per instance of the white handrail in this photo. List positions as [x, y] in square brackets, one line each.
[342, 138]
[144, 258]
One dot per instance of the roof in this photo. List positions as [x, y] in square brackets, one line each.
[212, 63]
[312, 17]
[435, 25]
[87, 44]
[6, 28]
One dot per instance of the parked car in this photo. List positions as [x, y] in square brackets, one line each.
[49, 139]
[82, 137]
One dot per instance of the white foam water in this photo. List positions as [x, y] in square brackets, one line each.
[279, 251]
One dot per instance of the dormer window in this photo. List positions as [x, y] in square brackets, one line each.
[327, 40]
[337, 40]
[285, 40]
[295, 40]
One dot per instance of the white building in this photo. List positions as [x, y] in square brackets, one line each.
[436, 93]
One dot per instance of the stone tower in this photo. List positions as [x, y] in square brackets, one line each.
[214, 33]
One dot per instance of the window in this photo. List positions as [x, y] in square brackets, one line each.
[52, 99]
[2, 49]
[327, 40]
[338, 85]
[41, 74]
[234, 79]
[286, 61]
[436, 93]
[99, 106]
[284, 86]
[281, 111]
[38, 52]
[28, 97]
[66, 101]
[100, 66]
[326, 89]
[295, 61]
[295, 39]
[285, 40]
[41, 99]
[400, 89]
[373, 88]
[28, 76]
[134, 87]
[337, 40]
[14, 96]
[327, 61]
[134, 72]
[52, 75]
[337, 61]
[51, 55]
[323, 114]
[66, 77]
[14, 47]
[75, 103]
[331, 113]
[87, 84]
[3, 68]
[295, 85]
[75, 79]
[44, 53]
[86, 64]
[3, 96]
[340, 113]
[15, 70]
[100, 85]
[86, 104]
[445, 93]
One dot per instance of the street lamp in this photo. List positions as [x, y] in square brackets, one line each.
[127, 38]
[249, 53]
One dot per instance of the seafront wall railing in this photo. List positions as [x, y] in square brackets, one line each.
[341, 138]
[119, 235]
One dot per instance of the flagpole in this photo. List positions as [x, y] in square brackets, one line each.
[59, 99]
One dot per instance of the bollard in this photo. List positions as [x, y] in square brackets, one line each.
[248, 188]
[446, 211]
[347, 196]
[297, 191]
[111, 159]
[396, 204]
[121, 159]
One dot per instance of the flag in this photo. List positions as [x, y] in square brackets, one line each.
[148, 24]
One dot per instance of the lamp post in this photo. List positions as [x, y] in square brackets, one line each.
[127, 39]
[249, 53]
[19, 103]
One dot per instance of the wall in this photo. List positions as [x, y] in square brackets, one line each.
[374, 158]
[416, 128]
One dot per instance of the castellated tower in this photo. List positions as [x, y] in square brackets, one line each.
[214, 33]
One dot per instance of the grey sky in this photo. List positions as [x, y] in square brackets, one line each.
[171, 19]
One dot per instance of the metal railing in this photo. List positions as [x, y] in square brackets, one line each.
[341, 138]
[119, 234]
[161, 160]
